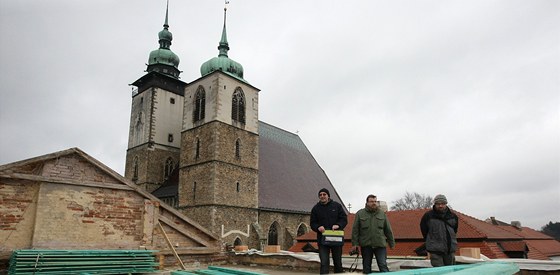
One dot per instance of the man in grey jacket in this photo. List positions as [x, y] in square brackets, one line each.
[439, 228]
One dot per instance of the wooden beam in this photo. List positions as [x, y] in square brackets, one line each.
[171, 246]
[66, 181]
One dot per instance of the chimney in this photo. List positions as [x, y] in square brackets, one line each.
[493, 219]
[516, 224]
[383, 205]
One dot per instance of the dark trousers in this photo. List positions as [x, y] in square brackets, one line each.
[324, 252]
[380, 258]
[442, 259]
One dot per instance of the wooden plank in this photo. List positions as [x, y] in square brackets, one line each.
[171, 245]
[65, 181]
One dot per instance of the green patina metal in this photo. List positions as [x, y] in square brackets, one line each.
[490, 268]
[216, 270]
[35, 261]
[223, 62]
[233, 271]
[163, 57]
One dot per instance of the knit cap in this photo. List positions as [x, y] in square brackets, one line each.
[440, 199]
[324, 190]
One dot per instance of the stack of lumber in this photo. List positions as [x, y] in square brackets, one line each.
[32, 261]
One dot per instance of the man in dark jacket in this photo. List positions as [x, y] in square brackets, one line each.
[328, 215]
[439, 228]
[372, 232]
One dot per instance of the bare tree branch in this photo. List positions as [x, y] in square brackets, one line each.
[412, 201]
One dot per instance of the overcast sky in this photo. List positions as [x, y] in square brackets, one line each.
[453, 97]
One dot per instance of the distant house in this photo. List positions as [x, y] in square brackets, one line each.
[494, 241]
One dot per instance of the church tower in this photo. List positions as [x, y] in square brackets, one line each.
[155, 119]
[218, 178]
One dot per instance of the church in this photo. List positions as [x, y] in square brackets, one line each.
[200, 147]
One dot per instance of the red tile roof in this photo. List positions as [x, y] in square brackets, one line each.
[495, 251]
[526, 233]
[547, 247]
[492, 232]
[513, 246]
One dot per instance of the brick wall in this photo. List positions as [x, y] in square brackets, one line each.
[74, 167]
[72, 217]
[18, 203]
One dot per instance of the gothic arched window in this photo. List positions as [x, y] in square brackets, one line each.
[238, 106]
[168, 168]
[302, 229]
[199, 104]
[237, 242]
[273, 234]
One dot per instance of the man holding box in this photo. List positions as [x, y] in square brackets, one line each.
[328, 215]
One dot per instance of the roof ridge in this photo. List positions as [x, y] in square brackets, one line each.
[469, 224]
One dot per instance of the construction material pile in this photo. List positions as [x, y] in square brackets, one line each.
[31, 261]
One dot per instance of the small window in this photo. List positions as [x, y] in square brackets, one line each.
[237, 149]
[237, 187]
[194, 192]
[170, 137]
[199, 104]
[237, 242]
[197, 151]
[172, 100]
[141, 100]
[135, 169]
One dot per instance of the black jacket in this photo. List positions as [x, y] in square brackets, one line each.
[440, 231]
[327, 215]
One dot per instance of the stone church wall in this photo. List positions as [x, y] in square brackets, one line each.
[217, 142]
[288, 225]
[151, 165]
[236, 221]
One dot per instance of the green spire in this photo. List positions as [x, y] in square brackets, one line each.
[223, 62]
[165, 36]
[224, 46]
[163, 60]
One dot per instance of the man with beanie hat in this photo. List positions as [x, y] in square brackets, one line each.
[439, 228]
[328, 215]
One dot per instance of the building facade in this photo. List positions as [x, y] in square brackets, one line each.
[154, 138]
[246, 181]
